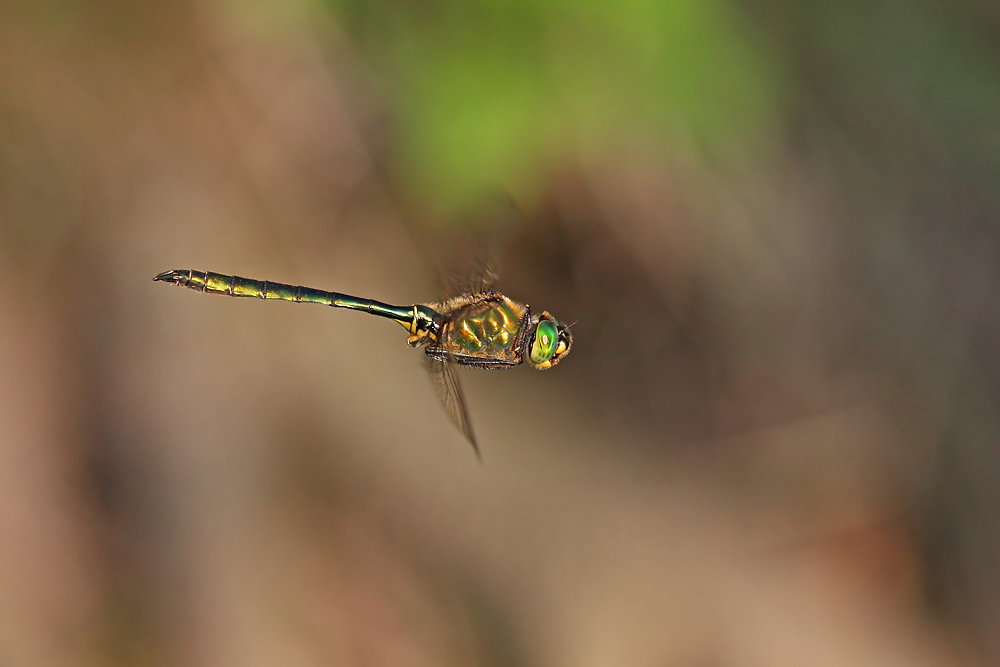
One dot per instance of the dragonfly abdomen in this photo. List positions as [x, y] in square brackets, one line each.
[411, 317]
[219, 283]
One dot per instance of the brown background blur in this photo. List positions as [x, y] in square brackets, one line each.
[776, 441]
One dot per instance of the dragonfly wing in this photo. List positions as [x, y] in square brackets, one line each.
[449, 390]
[478, 271]
[474, 246]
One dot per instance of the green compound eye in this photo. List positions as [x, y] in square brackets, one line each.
[544, 345]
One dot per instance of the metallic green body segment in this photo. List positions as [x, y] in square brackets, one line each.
[487, 329]
[279, 291]
[246, 287]
[215, 282]
[218, 283]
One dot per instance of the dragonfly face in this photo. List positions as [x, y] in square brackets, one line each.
[549, 343]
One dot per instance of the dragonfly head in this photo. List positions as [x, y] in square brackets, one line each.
[550, 342]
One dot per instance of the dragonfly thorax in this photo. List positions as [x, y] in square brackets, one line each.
[488, 328]
[484, 328]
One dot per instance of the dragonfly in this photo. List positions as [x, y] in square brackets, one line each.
[479, 328]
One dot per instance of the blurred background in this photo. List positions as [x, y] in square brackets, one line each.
[774, 223]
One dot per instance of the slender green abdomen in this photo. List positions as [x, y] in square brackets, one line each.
[218, 283]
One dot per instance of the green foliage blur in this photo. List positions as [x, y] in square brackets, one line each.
[491, 94]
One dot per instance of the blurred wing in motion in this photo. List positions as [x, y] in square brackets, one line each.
[448, 389]
[474, 246]
[478, 275]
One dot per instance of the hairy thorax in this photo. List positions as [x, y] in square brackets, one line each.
[483, 325]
